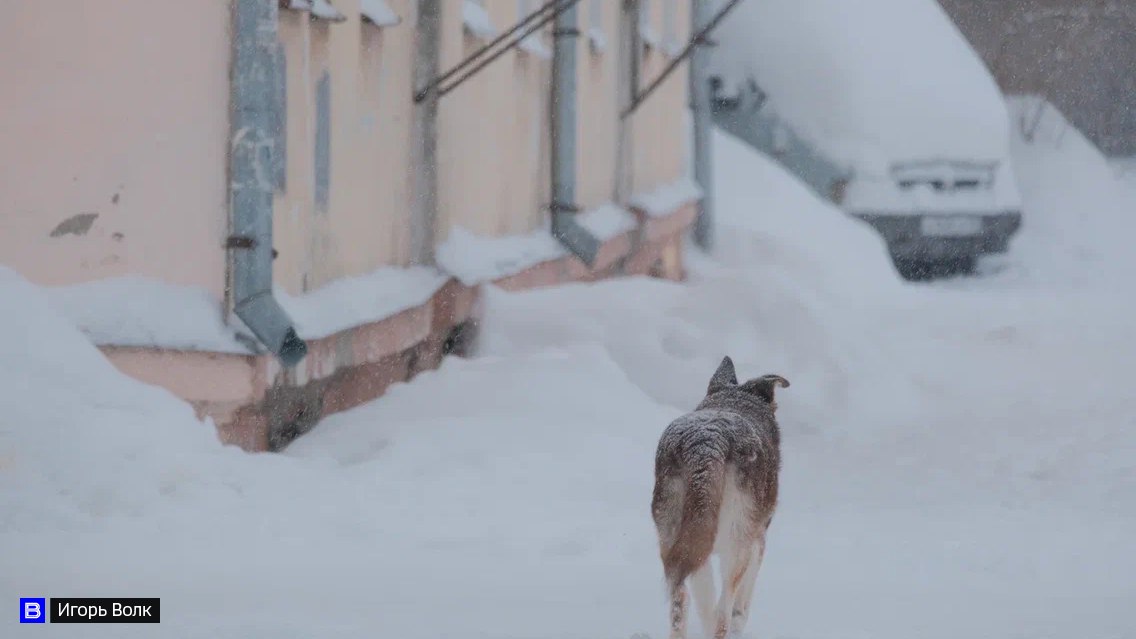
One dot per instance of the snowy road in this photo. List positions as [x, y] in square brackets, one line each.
[959, 462]
[975, 479]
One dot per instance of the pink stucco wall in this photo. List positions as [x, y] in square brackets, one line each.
[116, 110]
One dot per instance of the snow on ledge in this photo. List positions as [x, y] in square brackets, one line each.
[149, 313]
[324, 10]
[665, 199]
[477, 259]
[139, 311]
[607, 221]
[648, 36]
[353, 301]
[532, 44]
[379, 13]
[476, 20]
[597, 40]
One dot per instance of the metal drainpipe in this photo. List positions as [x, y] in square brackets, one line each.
[249, 246]
[565, 229]
[701, 12]
[427, 57]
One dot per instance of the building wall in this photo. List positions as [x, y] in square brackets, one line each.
[1078, 54]
[113, 137]
[494, 130]
[658, 126]
[120, 110]
[599, 103]
[113, 160]
[656, 131]
[493, 133]
[364, 223]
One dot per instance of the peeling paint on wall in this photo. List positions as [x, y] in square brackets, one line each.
[75, 225]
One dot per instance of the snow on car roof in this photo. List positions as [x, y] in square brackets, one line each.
[869, 82]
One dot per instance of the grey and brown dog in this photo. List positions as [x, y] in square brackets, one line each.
[715, 492]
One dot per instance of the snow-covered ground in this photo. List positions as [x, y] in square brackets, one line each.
[960, 459]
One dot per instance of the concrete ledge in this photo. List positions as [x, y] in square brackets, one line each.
[260, 406]
[206, 376]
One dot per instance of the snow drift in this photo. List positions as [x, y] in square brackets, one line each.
[1079, 213]
[78, 439]
[793, 268]
[772, 223]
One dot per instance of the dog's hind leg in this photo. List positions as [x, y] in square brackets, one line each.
[679, 601]
[745, 590]
[736, 560]
[702, 583]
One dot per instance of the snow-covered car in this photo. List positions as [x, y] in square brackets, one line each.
[883, 108]
[937, 216]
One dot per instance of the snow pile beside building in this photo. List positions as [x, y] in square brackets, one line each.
[145, 312]
[79, 440]
[868, 82]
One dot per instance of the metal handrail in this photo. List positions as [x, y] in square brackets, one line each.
[698, 39]
[555, 6]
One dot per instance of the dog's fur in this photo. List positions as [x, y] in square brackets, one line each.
[715, 492]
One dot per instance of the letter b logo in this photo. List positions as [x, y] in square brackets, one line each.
[33, 610]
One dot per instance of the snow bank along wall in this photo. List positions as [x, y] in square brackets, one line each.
[117, 130]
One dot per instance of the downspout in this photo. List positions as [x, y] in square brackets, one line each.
[427, 57]
[565, 229]
[249, 245]
[701, 12]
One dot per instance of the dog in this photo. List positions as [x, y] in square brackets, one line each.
[716, 472]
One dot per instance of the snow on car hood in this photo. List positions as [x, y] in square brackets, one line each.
[889, 194]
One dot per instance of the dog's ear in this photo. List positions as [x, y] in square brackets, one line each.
[764, 386]
[724, 377]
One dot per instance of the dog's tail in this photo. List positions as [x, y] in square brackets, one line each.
[700, 497]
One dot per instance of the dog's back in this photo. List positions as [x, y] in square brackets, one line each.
[716, 474]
